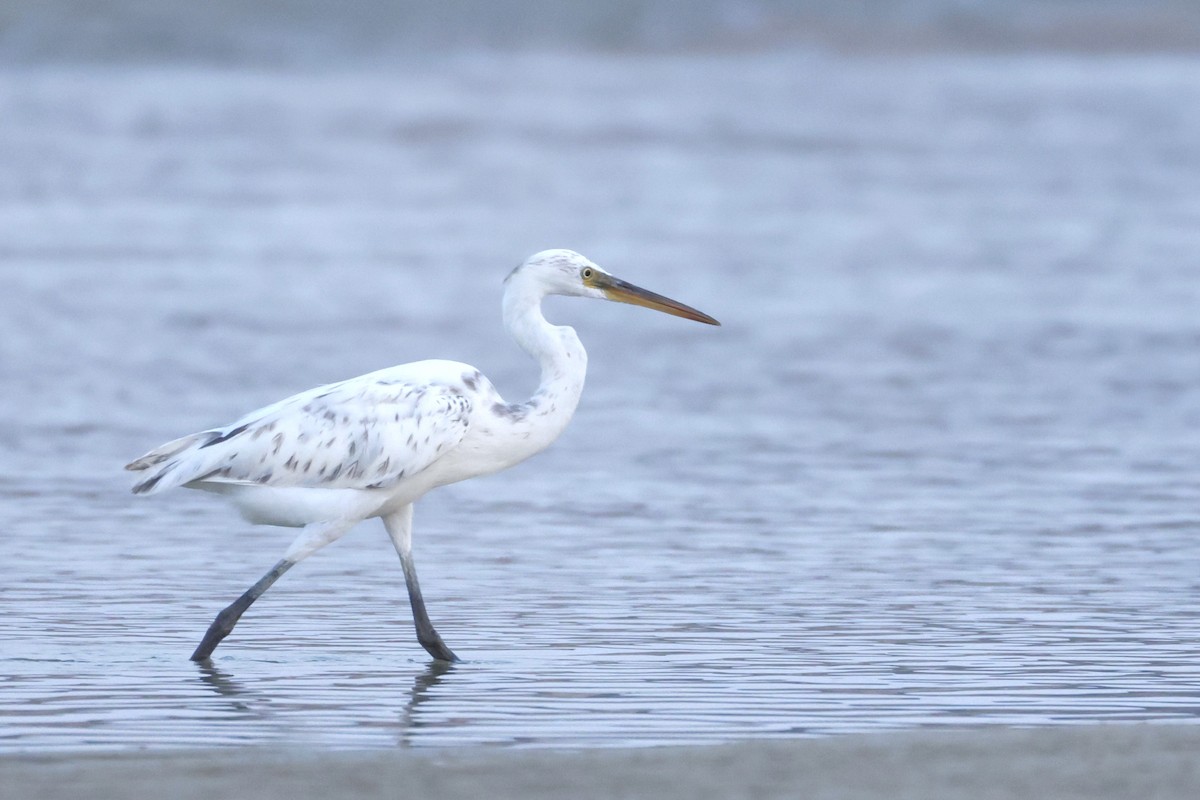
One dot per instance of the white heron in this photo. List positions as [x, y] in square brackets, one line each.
[326, 459]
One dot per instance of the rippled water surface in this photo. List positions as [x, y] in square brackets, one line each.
[938, 468]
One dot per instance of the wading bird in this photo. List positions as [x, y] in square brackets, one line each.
[326, 459]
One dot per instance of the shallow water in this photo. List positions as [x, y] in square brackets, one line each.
[938, 468]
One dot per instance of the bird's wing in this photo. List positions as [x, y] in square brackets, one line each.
[364, 433]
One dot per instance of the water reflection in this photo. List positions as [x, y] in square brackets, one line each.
[258, 705]
[422, 691]
[240, 699]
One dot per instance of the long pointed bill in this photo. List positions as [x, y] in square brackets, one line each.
[622, 292]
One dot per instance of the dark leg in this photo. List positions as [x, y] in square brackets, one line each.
[399, 527]
[225, 621]
[429, 638]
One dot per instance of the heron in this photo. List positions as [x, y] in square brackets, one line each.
[328, 458]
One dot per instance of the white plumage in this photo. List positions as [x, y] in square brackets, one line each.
[325, 459]
[364, 433]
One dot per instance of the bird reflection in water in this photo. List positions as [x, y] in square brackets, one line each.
[256, 704]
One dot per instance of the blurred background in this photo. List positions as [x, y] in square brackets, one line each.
[290, 32]
[938, 467]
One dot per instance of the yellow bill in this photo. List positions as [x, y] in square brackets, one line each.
[623, 292]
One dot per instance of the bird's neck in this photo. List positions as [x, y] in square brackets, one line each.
[557, 350]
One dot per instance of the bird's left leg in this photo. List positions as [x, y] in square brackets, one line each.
[399, 527]
[311, 539]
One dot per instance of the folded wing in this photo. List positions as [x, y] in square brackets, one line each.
[365, 433]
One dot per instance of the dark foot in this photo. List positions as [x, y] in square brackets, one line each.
[204, 650]
[220, 628]
[437, 648]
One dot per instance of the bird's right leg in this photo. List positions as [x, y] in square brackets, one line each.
[311, 539]
[399, 528]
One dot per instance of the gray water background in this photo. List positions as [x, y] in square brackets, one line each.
[937, 469]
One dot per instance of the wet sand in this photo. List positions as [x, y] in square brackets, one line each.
[1118, 761]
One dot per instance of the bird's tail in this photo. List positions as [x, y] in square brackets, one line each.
[160, 467]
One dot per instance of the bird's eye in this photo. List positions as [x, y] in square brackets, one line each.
[587, 273]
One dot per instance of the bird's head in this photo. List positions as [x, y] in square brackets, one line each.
[568, 273]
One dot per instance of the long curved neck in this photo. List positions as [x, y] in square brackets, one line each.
[557, 350]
